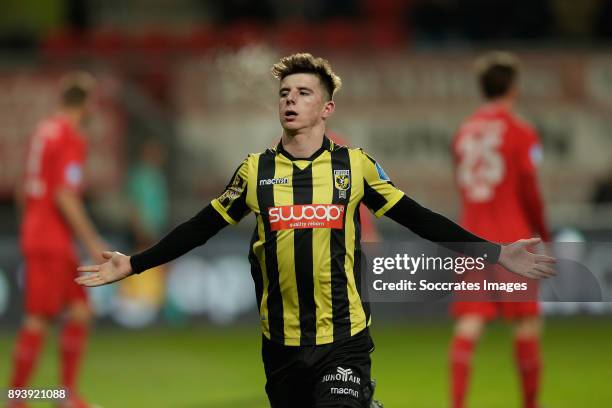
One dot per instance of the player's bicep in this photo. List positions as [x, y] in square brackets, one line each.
[231, 204]
[379, 193]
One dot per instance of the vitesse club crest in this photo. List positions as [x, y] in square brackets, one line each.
[342, 181]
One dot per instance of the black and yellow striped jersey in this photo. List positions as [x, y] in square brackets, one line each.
[305, 251]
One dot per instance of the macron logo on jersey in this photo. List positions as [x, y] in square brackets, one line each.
[272, 181]
[306, 216]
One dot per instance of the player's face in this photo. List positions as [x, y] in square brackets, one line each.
[303, 102]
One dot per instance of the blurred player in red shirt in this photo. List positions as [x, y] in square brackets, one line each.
[53, 212]
[496, 155]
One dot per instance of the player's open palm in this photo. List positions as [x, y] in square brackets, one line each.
[116, 267]
[517, 258]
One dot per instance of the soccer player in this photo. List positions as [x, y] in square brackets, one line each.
[305, 251]
[53, 213]
[496, 158]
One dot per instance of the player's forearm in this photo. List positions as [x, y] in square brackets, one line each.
[73, 211]
[180, 240]
[532, 201]
[437, 228]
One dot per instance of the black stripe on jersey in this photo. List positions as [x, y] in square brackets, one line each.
[256, 269]
[357, 261]
[372, 198]
[341, 316]
[302, 238]
[265, 200]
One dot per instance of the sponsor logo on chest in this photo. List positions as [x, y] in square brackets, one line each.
[306, 216]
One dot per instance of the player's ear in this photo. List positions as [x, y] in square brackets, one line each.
[328, 109]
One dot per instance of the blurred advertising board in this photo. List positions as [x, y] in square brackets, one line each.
[213, 284]
[403, 109]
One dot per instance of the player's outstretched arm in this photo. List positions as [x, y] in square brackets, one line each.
[517, 258]
[116, 267]
[436, 228]
[179, 241]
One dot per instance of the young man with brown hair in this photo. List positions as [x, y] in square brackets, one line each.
[53, 214]
[496, 158]
[305, 251]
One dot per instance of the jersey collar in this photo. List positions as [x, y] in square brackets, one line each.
[326, 145]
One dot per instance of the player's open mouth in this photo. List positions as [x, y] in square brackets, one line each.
[290, 115]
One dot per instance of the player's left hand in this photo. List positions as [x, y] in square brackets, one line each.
[517, 258]
[116, 267]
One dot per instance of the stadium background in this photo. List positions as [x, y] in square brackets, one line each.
[194, 75]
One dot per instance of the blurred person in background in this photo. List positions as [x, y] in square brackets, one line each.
[53, 214]
[147, 192]
[496, 157]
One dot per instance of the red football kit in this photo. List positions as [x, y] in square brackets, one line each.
[55, 158]
[496, 156]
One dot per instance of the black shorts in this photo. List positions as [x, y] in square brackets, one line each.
[330, 375]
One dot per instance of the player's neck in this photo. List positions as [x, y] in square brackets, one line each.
[505, 103]
[73, 116]
[303, 144]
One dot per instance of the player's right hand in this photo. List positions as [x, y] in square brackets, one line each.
[116, 267]
[517, 258]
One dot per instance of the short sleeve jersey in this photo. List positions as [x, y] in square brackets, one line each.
[55, 158]
[492, 150]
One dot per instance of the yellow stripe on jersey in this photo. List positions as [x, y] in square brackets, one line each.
[260, 255]
[283, 195]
